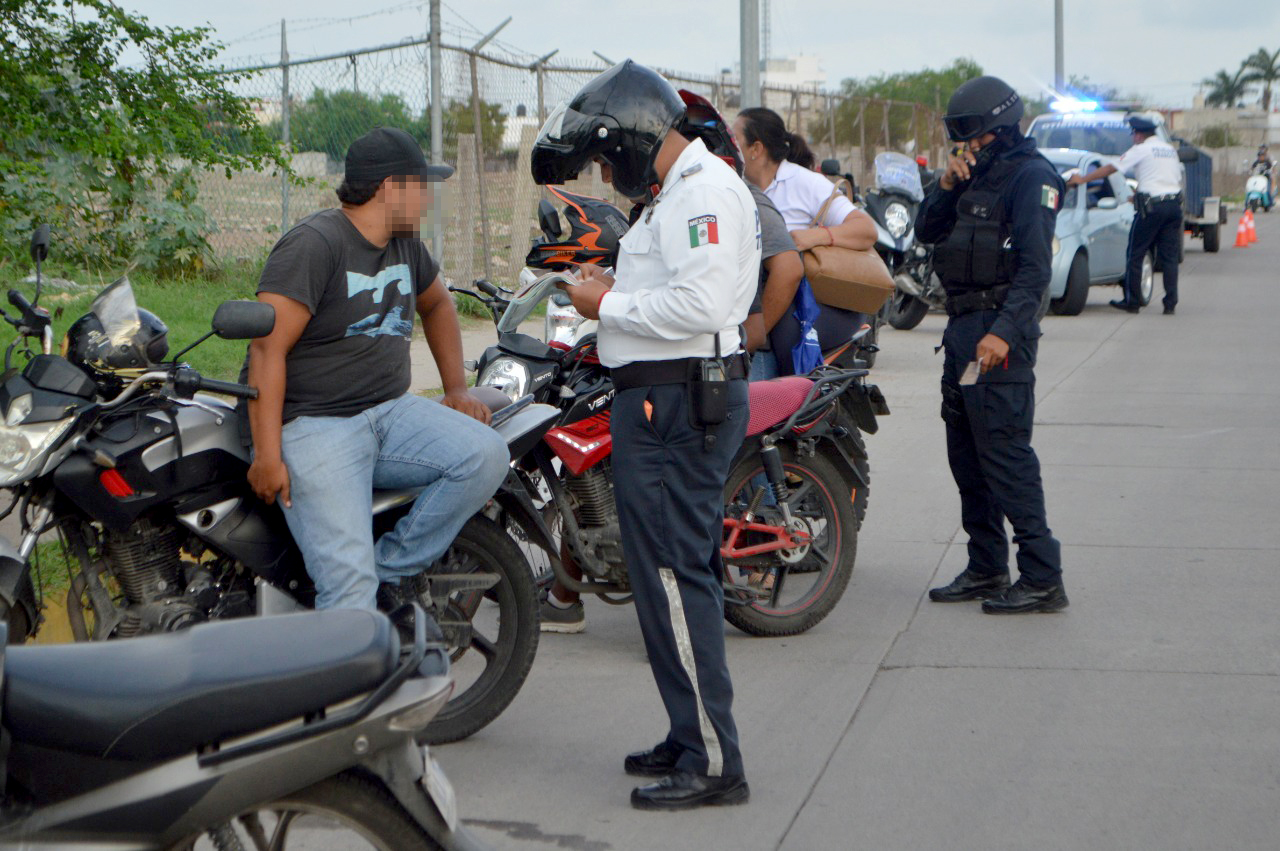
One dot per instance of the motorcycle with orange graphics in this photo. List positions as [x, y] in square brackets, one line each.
[794, 500]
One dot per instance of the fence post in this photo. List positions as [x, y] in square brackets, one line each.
[862, 140]
[479, 146]
[831, 123]
[463, 236]
[523, 200]
[284, 128]
[437, 117]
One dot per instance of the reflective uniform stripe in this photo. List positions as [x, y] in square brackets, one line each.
[680, 628]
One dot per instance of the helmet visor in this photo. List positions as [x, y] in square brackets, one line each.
[565, 144]
[965, 126]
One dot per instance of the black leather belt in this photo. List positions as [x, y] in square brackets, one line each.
[992, 299]
[647, 373]
[1156, 199]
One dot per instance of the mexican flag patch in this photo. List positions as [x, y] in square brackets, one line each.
[1049, 197]
[702, 231]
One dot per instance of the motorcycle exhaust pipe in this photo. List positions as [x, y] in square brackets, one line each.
[907, 284]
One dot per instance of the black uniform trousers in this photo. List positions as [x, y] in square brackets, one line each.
[1161, 227]
[989, 450]
[669, 489]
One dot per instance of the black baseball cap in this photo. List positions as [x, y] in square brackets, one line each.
[1141, 125]
[390, 152]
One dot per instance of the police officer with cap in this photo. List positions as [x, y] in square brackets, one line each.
[1158, 204]
[991, 217]
[669, 331]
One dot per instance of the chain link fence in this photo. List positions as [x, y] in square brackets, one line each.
[492, 107]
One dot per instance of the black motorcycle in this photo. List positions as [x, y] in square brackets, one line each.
[141, 476]
[285, 732]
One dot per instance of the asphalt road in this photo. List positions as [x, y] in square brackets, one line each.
[1147, 715]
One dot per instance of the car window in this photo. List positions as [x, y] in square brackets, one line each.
[1107, 137]
[1098, 189]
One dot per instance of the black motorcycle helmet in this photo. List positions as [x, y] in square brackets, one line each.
[622, 116]
[595, 228]
[703, 121]
[982, 105]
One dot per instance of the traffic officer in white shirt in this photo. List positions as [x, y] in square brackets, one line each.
[1158, 202]
[670, 332]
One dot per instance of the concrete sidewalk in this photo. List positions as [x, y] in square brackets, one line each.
[1145, 716]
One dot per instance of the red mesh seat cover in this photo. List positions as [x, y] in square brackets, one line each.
[774, 400]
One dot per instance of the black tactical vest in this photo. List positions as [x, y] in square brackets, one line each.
[979, 254]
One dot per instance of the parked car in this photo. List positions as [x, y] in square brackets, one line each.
[1084, 127]
[1091, 240]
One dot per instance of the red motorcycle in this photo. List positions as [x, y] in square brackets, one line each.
[794, 501]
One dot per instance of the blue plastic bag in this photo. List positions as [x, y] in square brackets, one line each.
[806, 355]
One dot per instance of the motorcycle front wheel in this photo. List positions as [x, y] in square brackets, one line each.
[790, 591]
[905, 311]
[346, 811]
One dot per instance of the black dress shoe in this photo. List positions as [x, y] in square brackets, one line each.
[971, 585]
[1121, 304]
[1022, 598]
[1168, 311]
[658, 762]
[683, 790]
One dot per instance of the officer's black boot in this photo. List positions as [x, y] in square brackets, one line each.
[658, 762]
[971, 585]
[1023, 598]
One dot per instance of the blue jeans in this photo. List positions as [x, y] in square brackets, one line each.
[410, 442]
[763, 365]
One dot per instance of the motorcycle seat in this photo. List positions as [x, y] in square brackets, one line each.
[156, 698]
[772, 401]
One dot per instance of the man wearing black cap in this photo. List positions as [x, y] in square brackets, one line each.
[334, 418]
[1158, 203]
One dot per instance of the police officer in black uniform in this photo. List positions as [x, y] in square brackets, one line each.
[992, 218]
[670, 333]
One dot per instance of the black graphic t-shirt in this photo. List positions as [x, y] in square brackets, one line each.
[354, 353]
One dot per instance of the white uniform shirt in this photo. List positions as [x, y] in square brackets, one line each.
[1155, 164]
[687, 268]
[799, 194]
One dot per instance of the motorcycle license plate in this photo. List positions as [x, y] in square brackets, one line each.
[440, 790]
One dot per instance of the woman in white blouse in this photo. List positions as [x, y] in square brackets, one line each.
[781, 164]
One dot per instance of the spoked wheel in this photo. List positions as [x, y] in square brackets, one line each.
[791, 590]
[482, 594]
[346, 811]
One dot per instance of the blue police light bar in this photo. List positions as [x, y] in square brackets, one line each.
[1073, 105]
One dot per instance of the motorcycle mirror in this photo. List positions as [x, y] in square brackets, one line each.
[40, 243]
[243, 320]
[831, 168]
[549, 220]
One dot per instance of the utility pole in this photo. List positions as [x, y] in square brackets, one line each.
[437, 125]
[749, 35]
[1059, 79]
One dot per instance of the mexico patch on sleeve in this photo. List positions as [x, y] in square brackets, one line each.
[1049, 197]
[702, 231]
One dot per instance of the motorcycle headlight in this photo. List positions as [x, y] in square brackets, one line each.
[23, 448]
[1057, 246]
[896, 220]
[18, 410]
[508, 375]
[562, 324]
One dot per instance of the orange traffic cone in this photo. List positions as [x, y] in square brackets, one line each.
[1248, 225]
[1242, 234]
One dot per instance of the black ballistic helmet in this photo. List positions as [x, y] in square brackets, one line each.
[981, 105]
[622, 116]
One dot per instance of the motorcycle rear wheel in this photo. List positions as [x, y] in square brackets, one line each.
[819, 494]
[361, 809]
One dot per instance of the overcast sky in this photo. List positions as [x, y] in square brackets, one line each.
[1160, 49]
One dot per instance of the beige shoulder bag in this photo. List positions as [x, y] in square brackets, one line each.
[854, 279]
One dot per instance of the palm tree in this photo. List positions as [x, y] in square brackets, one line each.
[1226, 89]
[1264, 67]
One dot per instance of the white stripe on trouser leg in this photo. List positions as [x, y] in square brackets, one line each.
[715, 759]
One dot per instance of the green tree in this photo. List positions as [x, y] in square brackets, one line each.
[105, 151]
[1264, 68]
[1227, 89]
[460, 118]
[331, 121]
[930, 87]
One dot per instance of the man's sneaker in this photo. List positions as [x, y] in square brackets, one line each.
[971, 585]
[569, 620]
[1023, 598]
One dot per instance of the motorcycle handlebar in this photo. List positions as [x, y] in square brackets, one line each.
[19, 301]
[230, 388]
